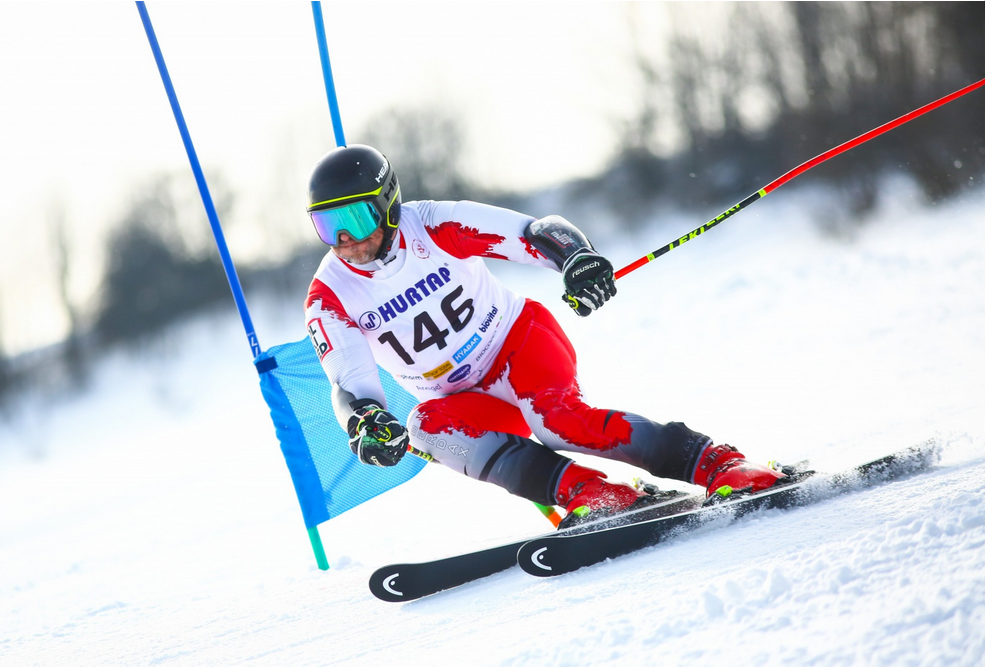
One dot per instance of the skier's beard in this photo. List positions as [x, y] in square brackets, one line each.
[359, 252]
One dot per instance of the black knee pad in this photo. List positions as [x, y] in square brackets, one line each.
[526, 469]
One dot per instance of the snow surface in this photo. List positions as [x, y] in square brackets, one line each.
[151, 520]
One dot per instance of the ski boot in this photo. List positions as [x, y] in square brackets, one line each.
[724, 472]
[586, 496]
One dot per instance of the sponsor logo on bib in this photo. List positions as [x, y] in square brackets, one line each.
[439, 371]
[466, 349]
[422, 289]
[460, 374]
[487, 320]
[370, 320]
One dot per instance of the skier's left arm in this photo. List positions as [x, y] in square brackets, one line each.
[469, 229]
[589, 279]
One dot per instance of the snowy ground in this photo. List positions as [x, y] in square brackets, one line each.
[152, 520]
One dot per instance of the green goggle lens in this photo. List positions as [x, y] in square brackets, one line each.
[358, 220]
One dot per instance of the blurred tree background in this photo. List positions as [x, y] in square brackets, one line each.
[785, 82]
[721, 113]
[152, 276]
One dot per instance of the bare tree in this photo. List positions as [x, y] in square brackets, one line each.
[72, 353]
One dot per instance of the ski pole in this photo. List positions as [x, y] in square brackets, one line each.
[794, 173]
[550, 513]
[418, 453]
[546, 510]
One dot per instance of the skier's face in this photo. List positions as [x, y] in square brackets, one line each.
[359, 252]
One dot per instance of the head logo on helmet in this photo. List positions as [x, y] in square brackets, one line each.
[354, 189]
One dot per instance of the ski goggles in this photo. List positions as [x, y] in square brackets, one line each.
[358, 220]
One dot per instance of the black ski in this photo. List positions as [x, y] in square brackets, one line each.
[551, 555]
[403, 582]
[409, 581]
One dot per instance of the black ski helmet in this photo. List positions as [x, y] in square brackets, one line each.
[356, 173]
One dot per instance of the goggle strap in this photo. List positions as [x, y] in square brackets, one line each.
[390, 224]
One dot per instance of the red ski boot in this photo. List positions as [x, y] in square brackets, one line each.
[586, 495]
[723, 470]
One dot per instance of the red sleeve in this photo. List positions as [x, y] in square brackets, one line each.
[321, 294]
[469, 229]
[462, 241]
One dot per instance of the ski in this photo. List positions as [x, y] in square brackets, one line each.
[403, 582]
[552, 555]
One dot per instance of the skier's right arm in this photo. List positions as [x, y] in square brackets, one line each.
[344, 353]
[375, 435]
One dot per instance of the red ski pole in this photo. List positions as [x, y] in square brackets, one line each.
[794, 173]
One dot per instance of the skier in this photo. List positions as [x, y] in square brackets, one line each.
[404, 286]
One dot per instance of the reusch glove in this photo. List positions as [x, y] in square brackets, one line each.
[589, 281]
[376, 437]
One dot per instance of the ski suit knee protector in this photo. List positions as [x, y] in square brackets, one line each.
[670, 450]
[451, 429]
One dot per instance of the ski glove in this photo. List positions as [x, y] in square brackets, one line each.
[376, 437]
[588, 281]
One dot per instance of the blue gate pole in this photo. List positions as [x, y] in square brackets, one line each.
[333, 107]
[326, 70]
[220, 239]
[203, 188]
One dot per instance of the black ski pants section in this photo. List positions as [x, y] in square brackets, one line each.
[531, 470]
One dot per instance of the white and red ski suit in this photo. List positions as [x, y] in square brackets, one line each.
[489, 367]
